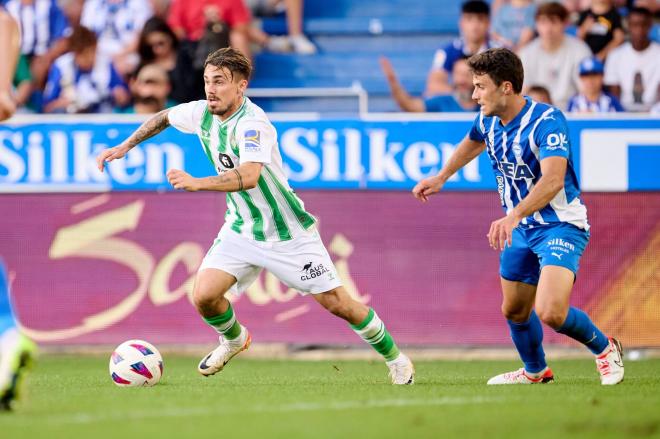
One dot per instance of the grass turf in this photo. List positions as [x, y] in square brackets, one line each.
[73, 397]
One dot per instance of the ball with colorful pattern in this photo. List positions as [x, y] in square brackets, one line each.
[136, 363]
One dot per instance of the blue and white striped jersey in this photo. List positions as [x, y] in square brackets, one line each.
[606, 103]
[516, 151]
[41, 22]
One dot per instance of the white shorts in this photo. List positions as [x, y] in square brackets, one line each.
[302, 263]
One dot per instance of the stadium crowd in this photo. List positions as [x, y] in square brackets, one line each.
[581, 56]
[90, 56]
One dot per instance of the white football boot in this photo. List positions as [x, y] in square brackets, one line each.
[402, 370]
[610, 363]
[216, 360]
[521, 376]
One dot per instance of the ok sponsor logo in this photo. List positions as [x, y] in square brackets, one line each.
[516, 171]
[557, 141]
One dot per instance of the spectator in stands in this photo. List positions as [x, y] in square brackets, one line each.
[459, 100]
[632, 71]
[601, 28]
[592, 98]
[513, 23]
[473, 25]
[191, 20]
[539, 94]
[552, 59]
[44, 32]
[159, 45]
[117, 23]
[10, 49]
[296, 39]
[150, 90]
[82, 82]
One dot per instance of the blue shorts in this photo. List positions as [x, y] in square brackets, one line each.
[532, 249]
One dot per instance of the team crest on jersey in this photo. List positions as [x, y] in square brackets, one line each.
[517, 149]
[226, 161]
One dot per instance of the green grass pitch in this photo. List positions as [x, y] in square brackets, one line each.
[73, 397]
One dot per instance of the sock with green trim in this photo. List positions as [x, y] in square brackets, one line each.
[373, 331]
[226, 324]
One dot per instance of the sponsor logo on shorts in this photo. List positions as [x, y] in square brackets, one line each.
[559, 247]
[311, 272]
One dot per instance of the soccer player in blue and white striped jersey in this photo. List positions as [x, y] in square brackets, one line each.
[545, 230]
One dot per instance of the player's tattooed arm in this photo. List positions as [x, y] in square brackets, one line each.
[152, 126]
[239, 179]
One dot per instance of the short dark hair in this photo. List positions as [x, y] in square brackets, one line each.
[231, 59]
[552, 10]
[501, 65]
[475, 7]
[82, 38]
[641, 11]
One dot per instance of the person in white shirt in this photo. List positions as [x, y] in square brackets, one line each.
[632, 71]
[266, 225]
[552, 60]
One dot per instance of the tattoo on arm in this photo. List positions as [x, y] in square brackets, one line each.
[240, 179]
[150, 128]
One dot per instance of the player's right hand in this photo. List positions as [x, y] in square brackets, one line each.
[108, 155]
[427, 187]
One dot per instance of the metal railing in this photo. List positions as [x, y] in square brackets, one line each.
[355, 90]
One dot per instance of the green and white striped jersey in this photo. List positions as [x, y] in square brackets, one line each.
[269, 212]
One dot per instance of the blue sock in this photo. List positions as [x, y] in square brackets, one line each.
[6, 317]
[579, 327]
[528, 338]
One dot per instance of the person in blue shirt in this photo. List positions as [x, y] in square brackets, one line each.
[592, 98]
[473, 24]
[83, 82]
[459, 100]
[545, 229]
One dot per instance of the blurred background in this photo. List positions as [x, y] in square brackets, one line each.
[368, 97]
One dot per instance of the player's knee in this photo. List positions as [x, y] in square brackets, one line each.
[515, 314]
[551, 317]
[204, 297]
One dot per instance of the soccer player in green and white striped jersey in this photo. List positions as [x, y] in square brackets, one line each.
[266, 224]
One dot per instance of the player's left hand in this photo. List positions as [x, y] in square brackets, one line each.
[501, 231]
[182, 180]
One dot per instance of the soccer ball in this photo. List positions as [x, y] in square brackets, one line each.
[136, 363]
